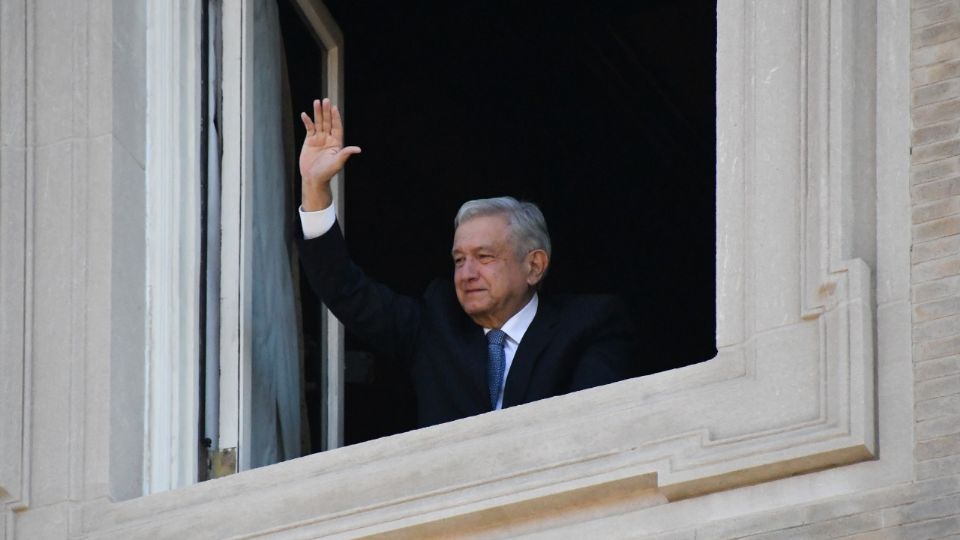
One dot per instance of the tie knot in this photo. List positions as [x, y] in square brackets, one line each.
[496, 337]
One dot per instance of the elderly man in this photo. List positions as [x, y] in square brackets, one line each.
[485, 342]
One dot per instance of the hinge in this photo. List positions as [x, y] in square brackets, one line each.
[223, 462]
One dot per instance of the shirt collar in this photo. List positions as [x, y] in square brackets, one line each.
[517, 326]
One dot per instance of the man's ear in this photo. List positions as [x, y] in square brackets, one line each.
[537, 263]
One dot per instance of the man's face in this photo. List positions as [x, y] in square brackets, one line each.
[492, 283]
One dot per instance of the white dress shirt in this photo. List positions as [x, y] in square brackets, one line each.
[318, 223]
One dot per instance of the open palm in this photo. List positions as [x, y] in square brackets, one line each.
[323, 154]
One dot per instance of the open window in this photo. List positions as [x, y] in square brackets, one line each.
[245, 370]
[226, 353]
[602, 113]
[792, 388]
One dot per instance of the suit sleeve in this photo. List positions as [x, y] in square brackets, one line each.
[383, 319]
[610, 353]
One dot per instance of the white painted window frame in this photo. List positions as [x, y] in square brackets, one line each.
[172, 244]
[174, 45]
[793, 388]
[236, 251]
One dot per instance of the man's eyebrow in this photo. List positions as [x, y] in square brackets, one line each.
[455, 251]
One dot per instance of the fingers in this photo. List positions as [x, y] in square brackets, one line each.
[327, 116]
[326, 120]
[307, 123]
[317, 114]
[336, 129]
[345, 153]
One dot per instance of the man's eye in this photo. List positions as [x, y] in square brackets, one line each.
[458, 262]
[485, 257]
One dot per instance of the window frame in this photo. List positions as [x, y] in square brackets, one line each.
[173, 230]
[172, 233]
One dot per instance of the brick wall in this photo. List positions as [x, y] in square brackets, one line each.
[935, 254]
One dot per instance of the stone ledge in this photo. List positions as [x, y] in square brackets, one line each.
[788, 401]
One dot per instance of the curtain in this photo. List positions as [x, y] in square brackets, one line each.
[276, 416]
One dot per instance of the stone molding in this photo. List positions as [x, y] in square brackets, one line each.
[16, 245]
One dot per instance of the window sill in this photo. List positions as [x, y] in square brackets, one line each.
[793, 399]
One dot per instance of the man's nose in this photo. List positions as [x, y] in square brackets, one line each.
[467, 270]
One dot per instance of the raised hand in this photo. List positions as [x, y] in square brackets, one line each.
[322, 155]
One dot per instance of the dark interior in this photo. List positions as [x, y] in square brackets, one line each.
[601, 112]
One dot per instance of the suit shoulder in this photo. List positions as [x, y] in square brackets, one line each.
[589, 302]
[441, 294]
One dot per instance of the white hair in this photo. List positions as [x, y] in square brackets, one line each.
[528, 228]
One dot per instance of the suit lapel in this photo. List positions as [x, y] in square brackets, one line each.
[475, 361]
[528, 352]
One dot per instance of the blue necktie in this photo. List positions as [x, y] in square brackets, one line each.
[496, 363]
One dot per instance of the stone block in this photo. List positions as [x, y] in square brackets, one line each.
[126, 329]
[939, 348]
[936, 170]
[937, 427]
[54, 70]
[941, 289]
[936, 151]
[100, 67]
[129, 77]
[13, 252]
[932, 488]
[937, 132]
[931, 369]
[930, 509]
[13, 59]
[935, 210]
[936, 229]
[48, 522]
[936, 34]
[936, 329]
[948, 445]
[835, 528]
[944, 386]
[935, 528]
[752, 524]
[918, 5]
[54, 341]
[938, 72]
[935, 190]
[937, 407]
[936, 269]
[792, 520]
[97, 376]
[936, 309]
[935, 113]
[935, 13]
[848, 506]
[936, 249]
[940, 52]
[946, 466]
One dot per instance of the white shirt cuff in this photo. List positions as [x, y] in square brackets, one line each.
[317, 223]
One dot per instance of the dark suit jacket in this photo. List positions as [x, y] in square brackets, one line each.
[574, 342]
